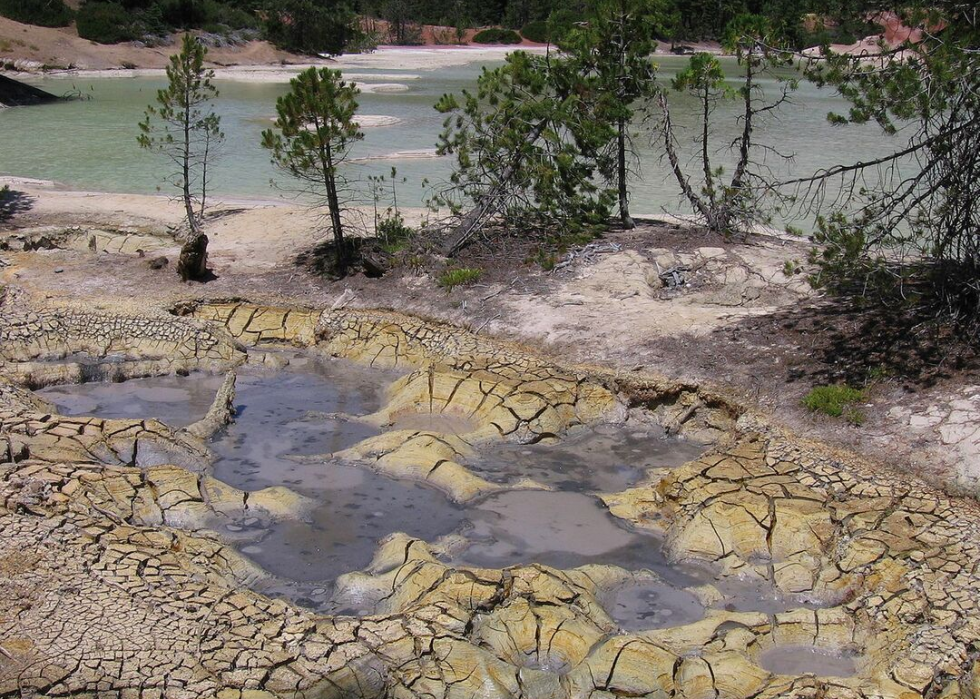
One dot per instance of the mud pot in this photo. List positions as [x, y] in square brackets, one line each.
[226, 499]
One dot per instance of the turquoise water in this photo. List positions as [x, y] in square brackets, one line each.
[91, 143]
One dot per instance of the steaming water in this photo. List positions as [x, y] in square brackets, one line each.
[91, 144]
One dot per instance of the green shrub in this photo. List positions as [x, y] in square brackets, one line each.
[45, 13]
[393, 233]
[835, 401]
[497, 36]
[561, 22]
[304, 26]
[228, 15]
[460, 276]
[536, 32]
[106, 23]
[792, 268]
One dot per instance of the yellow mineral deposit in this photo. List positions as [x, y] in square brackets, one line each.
[128, 569]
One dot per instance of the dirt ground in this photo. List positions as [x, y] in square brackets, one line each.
[737, 320]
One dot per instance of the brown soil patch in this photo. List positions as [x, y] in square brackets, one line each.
[63, 48]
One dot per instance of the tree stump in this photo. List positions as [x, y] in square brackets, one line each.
[193, 262]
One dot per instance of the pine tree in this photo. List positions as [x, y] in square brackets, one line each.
[314, 132]
[613, 46]
[523, 145]
[183, 128]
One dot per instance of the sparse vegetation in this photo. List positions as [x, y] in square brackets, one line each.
[908, 236]
[459, 276]
[722, 203]
[836, 401]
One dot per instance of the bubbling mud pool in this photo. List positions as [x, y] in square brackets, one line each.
[313, 407]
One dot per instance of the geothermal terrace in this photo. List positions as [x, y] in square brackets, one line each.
[192, 500]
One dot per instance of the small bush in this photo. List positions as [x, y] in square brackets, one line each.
[105, 23]
[835, 401]
[536, 32]
[393, 233]
[45, 13]
[497, 36]
[792, 267]
[460, 276]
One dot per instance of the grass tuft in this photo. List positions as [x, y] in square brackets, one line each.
[460, 276]
[836, 401]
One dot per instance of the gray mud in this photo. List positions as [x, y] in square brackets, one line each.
[652, 605]
[176, 400]
[799, 660]
[605, 458]
[312, 406]
[565, 530]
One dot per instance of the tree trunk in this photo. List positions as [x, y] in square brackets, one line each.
[333, 203]
[468, 227]
[624, 196]
[709, 184]
[623, 124]
[688, 191]
[193, 262]
[186, 172]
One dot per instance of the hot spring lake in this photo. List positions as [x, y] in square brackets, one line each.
[90, 143]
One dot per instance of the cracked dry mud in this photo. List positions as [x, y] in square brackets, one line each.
[114, 582]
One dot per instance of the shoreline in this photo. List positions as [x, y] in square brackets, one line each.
[220, 201]
[401, 58]
[385, 58]
[67, 191]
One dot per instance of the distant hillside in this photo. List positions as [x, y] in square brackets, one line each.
[119, 33]
[31, 47]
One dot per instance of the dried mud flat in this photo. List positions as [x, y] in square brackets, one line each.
[114, 582]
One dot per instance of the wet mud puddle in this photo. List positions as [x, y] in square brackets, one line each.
[311, 406]
[799, 660]
[175, 400]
